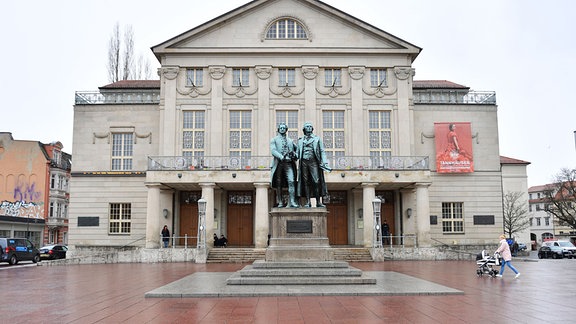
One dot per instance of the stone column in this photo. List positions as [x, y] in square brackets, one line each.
[422, 215]
[208, 194]
[358, 141]
[215, 112]
[310, 73]
[262, 220]
[153, 214]
[404, 85]
[369, 193]
[262, 112]
[168, 75]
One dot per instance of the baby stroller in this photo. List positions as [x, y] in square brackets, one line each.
[486, 264]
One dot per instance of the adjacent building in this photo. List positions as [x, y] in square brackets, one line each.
[34, 190]
[543, 225]
[145, 152]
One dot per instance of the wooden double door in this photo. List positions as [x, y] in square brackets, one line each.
[337, 218]
[188, 224]
[240, 219]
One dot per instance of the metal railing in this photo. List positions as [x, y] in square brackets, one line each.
[114, 97]
[225, 163]
[402, 241]
[186, 242]
[454, 97]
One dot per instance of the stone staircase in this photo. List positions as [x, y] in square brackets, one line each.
[235, 255]
[352, 254]
[248, 255]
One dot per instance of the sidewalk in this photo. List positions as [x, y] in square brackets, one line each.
[115, 293]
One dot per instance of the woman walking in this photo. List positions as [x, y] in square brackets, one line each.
[504, 250]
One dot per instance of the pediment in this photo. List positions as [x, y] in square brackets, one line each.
[243, 30]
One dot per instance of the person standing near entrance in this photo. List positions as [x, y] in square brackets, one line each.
[385, 232]
[504, 250]
[165, 236]
[313, 163]
[283, 170]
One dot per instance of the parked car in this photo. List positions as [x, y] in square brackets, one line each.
[14, 250]
[54, 251]
[522, 247]
[554, 252]
[568, 248]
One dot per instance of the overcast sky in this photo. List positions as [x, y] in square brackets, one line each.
[525, 50]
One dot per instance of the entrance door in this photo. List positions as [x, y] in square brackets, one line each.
[337, 219]
[387, 213]
[188, 223]
[240, 219]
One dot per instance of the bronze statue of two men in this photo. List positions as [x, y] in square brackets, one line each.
[308, 180]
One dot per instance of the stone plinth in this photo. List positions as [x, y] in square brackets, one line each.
[299, 234]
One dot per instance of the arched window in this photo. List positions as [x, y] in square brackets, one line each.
[286, 28]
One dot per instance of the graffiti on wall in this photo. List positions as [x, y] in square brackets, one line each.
[26, 192]
[22, 209]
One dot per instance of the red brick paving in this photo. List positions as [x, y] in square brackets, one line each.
[114, 293]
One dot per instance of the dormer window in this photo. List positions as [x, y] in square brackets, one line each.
[286, 28]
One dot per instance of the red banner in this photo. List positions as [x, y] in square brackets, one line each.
[453, 148]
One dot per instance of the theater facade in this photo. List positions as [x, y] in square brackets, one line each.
[146, 152]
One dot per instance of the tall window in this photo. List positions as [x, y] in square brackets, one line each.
[452, 217]
[195, 77]
[290, 118]
[333, 132]
[286, 28]
[240, 77]
[241, 133]
[378, 77]
[380, 133]
[193, 133]
[286, 77]
[120, 219]
[122, 151]
[332, 77]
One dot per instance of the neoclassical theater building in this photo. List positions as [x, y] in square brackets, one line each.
[145, 152]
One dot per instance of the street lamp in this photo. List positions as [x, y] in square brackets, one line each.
[377, 238]
[201, 240]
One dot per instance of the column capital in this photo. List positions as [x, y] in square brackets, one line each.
[262, 184]
[369, 184]
[170, 72]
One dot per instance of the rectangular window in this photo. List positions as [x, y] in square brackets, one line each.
[538, 221]
[195, 77]
[120, 218]
[380, 133]
[332, 77]
[51, 209]
[452, 218]
[377, 77]
[547, 221]
[240, 77]
[290, 118]
[286, 77]
[122, 151]
[240, 137]
[333, 133]
[53, 181]
[193, 128]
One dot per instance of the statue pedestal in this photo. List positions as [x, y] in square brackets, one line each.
[299, 234]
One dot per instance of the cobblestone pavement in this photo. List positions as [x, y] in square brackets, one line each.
[114, 293]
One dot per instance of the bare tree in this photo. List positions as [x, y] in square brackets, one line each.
[121, 65]
[560, 198]
[114, 54]
[515, 213]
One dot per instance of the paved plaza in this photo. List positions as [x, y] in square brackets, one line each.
[418, 292]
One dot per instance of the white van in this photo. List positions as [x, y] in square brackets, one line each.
[567, 247]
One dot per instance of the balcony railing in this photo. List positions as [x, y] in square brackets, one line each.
[166, 163]
[55, 221]
[454, 97]
[117, 97]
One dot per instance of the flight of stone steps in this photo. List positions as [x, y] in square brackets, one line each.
[249, 255]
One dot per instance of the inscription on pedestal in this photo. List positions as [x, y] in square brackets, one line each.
[299, 226]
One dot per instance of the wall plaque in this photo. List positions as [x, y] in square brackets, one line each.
[298, 226]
